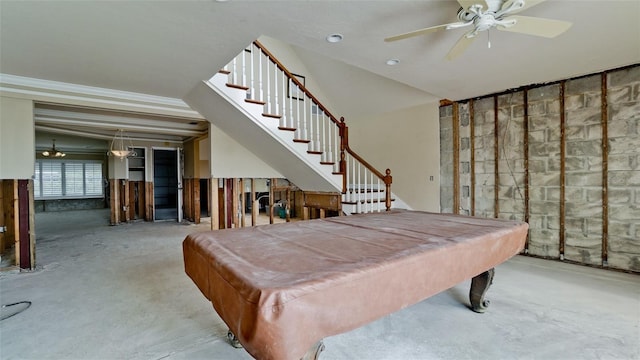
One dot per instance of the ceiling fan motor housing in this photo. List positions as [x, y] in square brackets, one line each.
[495, 8]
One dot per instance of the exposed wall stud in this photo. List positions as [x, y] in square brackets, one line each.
[496, 156]
[605, 169]
[472, 161]
[456, 158]
[563, 150]
[525, 140]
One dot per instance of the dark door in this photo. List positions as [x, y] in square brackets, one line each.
[165, 184]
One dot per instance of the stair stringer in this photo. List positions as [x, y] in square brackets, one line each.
[226, 108]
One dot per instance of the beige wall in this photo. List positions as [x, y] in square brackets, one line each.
[407, 142]
[17, 140]
[229, 159]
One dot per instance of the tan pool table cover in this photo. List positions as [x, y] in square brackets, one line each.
[281, 288]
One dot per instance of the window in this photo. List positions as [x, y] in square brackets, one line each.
[68, 179]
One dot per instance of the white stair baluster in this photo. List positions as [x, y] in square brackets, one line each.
[260, 82]
[244, 69]
[298, 113]
[378, 187]
[291, 87]
[275, 89]
[283, 118]
[233, 72]
[268, 108]
[328, 146]
[252, 84]
[321, 134]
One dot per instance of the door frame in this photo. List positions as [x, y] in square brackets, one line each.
[179, 171]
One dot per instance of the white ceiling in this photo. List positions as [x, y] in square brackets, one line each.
[165, 47]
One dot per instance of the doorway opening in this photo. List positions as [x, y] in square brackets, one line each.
[166, 184]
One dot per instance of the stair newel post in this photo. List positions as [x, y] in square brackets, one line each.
[387, 182]
[342, 132]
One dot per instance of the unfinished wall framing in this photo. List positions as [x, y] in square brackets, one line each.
[562, 156]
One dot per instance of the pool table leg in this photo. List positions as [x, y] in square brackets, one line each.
[233, 340]
[479, 286]
[312, 354]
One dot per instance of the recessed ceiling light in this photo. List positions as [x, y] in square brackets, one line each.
[334, 38]
[392, 62]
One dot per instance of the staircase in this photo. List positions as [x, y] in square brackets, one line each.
[259, 103]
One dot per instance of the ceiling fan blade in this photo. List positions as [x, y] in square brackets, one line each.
[467, 3]
[548, 28]
[416, 33]
[460, 46]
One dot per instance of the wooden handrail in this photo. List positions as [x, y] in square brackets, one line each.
[343, 132]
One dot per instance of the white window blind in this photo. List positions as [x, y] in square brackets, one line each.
[51, 179]
[36, 180]
[76, 179]
[93, 178]
[73, 179]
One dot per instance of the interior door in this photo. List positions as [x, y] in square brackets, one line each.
[166, 184]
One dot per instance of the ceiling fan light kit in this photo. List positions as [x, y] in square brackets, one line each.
[483, 15]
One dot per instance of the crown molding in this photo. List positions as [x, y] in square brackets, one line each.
[48, 91]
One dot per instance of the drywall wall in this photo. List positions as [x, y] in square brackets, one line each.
[407, 142]
[17, 141]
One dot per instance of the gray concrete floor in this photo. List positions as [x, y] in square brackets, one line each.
[120, 292]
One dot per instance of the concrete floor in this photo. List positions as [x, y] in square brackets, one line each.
[120, 292]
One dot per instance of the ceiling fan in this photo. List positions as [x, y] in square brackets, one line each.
[483, 15]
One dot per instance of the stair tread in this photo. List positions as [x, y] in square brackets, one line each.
[301, 141]
[314, 152]
[327, 163]
[364, 191]
[369, 201]
[275, 116]
[237, 86]
[286, 128]
[252, 101]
